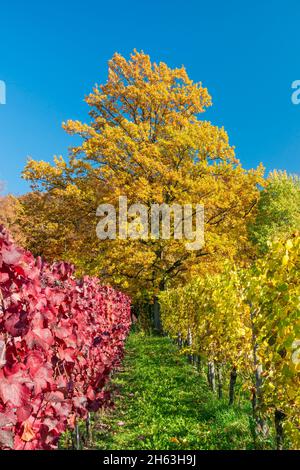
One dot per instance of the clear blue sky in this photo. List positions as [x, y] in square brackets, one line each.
[246, 53]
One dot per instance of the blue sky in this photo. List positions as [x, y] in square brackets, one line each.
[246, 53]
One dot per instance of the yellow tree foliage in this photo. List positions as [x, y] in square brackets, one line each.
[10, 214]
[60, 224]
[146, 141]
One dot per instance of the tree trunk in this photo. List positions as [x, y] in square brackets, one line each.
[211, 375]
[220, 381]
[233, 376]
[156, 316]
[195, 360]
[190, 344]
[279, 418]
[77, 437]
[261, 427]
[88, 427]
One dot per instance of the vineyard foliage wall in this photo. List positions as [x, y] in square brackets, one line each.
[249, 321]
[59, 340]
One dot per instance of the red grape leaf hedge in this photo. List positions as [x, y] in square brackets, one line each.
[60, 338]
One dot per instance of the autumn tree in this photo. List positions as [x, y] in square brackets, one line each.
[10, 213]
[145, 140]
[277, 210]
[61, 224]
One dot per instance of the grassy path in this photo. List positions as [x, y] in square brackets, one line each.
[161, 402]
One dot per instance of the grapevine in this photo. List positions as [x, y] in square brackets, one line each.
[60, 338]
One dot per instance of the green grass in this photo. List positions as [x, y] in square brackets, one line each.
[162, 402]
